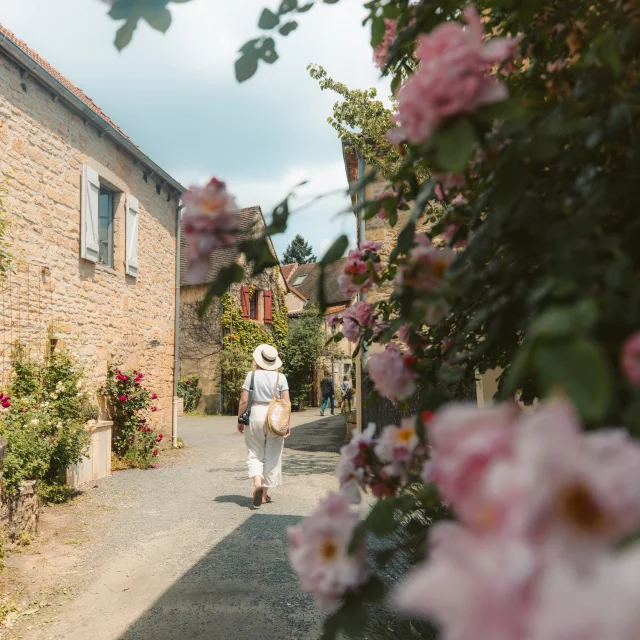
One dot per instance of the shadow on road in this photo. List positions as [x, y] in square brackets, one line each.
[325, 434]
[298, 464]
[241, 501]
[242, 589]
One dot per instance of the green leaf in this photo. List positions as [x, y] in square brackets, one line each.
[511, 182]
[267, 51]
[405, 241]
[279, 218]
[224, 279]
[377, 31]
[287, 28]
[396, 82]
[287, 6]
[380, 520]
[121, 9]
[246, 65]
[331, 627]
[125, 33]
[305, 7]
[268, 20]
[335, 251]
[580, 370]
[158, 19]
[331, 1]
[455, 143]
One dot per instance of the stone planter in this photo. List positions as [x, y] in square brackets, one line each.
[20, 513]
[97, 464]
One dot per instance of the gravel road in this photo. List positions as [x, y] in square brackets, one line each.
[182, 554]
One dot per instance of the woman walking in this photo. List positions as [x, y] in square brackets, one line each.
[347, 394]
[264, 448]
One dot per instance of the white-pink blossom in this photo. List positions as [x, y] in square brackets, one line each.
[397, 445]
[349, 474]
[474, 588]
[319, 551]
[453, 77]
[209, 220]
[427, 265]
[393, 373]
[356, 319]
[381, 52]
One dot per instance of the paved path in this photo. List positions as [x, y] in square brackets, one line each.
[185, 556]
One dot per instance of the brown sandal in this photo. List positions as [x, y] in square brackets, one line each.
[257, 496]
[266, 500]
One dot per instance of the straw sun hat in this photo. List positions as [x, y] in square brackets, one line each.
[266, 357]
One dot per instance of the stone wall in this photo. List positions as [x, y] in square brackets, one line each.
[100, 313]
[201, 340]
[20, 513]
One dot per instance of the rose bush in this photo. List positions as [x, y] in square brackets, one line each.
[45, 419]
[135, 440]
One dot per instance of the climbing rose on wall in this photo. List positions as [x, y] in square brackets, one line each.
[358, 274]
[209, 220]
[452, 78]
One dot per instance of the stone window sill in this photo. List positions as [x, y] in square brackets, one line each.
[104, 269]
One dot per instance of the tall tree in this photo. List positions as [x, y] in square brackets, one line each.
[298, 251]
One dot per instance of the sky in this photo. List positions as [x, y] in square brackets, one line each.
[176, 96]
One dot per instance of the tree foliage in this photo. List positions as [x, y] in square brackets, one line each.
[299, 251]
[300, 357]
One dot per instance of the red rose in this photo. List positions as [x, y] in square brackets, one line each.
[411, 361]
[122, 398]
[154, 396]
[36, 407]
[154, 408]
[159, 438]
[187, 382]
[155, 452]
[6, 404]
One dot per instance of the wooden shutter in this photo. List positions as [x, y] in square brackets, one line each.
[268, 307]
[244, 301]
[89, 221]
[133, 219]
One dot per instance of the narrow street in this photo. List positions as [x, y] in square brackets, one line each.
[179, 552]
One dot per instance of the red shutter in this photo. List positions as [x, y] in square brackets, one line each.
[268, 306]
[244, 301]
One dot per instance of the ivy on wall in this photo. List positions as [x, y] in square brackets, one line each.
[247, 334]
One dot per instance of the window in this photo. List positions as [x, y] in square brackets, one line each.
[300, 280]
[254, 303]
[105, 227]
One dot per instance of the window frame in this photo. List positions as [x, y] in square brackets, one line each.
[254, 306]
[107, 190]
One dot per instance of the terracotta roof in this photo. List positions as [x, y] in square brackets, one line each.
[288, 269]
[251, 224]
[72, 88]
[309, 286]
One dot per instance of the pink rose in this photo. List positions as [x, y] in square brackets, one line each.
[453, 78]
[391, 374]
[358, 272]
[356, 318]
[209, 220]
[397, 445]
[122, 398]
[154, 396]
[319, 551]
[630, 361]
[350, 473]
[381, 52]
[427, 265]
[472, 587]
[156, 453]
[159, 438]
[154, 408]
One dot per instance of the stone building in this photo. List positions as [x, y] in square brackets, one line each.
[302, 281]
[92, 229]
[259, 299]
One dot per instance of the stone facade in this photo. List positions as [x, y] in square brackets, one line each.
[20, 513]
[103, 315]
[201, 340]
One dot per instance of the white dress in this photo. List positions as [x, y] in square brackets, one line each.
[264, 449]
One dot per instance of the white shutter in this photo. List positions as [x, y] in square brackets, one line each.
[89, 222]
[133, 219]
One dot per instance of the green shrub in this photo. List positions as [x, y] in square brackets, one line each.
[190, 392]
[134, 440]
[44, 425]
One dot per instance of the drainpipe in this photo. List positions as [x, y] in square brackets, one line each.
[361, 238]
[176, 336]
